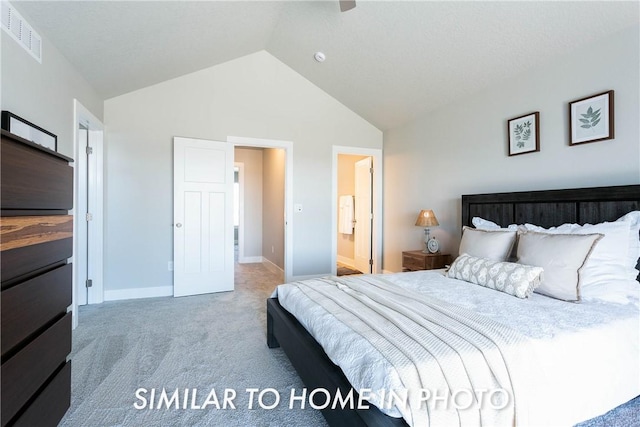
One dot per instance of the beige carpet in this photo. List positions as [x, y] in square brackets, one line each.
[214, 341]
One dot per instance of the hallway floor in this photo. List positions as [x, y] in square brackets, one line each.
[345, 270]
[255, 275]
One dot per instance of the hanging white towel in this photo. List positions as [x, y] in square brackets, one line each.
[345, 218]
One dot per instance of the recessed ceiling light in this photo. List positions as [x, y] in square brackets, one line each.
[319, 56]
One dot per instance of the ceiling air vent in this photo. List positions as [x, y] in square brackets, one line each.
[15, 25]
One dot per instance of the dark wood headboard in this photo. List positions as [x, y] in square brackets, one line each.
[553, 207]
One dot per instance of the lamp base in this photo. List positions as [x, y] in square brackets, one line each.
[427, 235]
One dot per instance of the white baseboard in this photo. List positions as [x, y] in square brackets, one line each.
[136, 293]
[250, 259]
[273, 267]
[346, 261]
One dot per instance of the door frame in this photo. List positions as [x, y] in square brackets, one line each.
[240, 166]
[287, 146]
[376, 230]
[96, 249]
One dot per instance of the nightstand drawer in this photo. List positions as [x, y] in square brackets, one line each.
[413, 262]
[418, 260]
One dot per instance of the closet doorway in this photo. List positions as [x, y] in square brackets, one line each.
[357, 207]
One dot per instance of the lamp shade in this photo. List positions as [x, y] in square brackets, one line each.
[426, 218]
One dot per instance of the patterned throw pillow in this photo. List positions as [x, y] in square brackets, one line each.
[514, 279]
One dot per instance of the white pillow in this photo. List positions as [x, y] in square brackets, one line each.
[513, 279]
[562, 257]
[485, 224]
[609, 260]
[493, 245]
[634, 241]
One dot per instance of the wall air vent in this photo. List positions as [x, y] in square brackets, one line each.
[14, 24]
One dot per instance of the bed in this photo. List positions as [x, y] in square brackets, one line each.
[544, 208]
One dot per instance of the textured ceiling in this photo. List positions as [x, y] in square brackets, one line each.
[387, 61]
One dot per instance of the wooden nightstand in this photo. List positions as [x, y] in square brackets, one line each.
[418, 260]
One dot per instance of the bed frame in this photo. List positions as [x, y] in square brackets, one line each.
[545, 208]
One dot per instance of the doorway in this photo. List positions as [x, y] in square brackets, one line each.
[260, 208]
[88, 210]
[354, 251]
[266, 188]
[356, 194]
[199, 190]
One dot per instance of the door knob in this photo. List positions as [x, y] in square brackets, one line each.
[178, 225]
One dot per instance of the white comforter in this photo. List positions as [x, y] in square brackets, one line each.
[587, 355]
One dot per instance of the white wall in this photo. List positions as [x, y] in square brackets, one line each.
[43, 93]
[462, 149]
[253, 96]
[252, 159]
[273, 206]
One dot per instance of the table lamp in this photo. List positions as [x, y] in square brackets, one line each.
[426, 219]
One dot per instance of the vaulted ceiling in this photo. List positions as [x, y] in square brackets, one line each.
[387, 61]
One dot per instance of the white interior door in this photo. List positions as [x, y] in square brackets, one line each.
[363, 215]
[202, 216]
[88, 218]
[81, 256]
[94, 218]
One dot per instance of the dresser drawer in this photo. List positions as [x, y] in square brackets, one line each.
[25, 260]
[30, 305]
[50, 405]
[28, 370]
[33, 179]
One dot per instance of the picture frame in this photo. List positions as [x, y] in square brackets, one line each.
[27, 130]
[591, 119]
[524, 134]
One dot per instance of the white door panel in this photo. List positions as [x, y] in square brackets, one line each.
[203, 216]
[217, 231]
[363, 215]
[192, 229]
[205, 165]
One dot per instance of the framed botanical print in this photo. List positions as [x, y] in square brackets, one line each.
[524, 134]
[591, 118]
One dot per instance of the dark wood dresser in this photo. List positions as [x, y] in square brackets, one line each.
[35, 242]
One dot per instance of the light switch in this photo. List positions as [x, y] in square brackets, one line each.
[297, 208]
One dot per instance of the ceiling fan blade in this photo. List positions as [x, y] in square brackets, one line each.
[347, 5]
